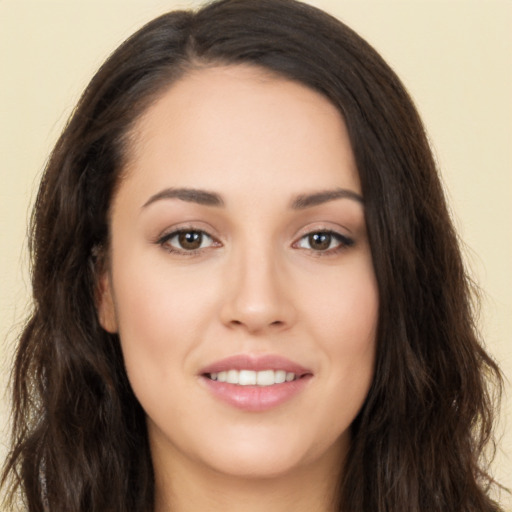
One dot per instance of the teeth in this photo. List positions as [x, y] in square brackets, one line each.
[252, 378]
[265, 378]
[246, 378]
[232, 377]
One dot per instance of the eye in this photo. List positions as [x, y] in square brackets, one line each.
[186, 240]
[324, 241]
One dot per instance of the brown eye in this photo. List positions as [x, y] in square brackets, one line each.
[186, 240]
[320, 241]
[324, 241]
[190, 240]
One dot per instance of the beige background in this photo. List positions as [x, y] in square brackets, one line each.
[453, 55]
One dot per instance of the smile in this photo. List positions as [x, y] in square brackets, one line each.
[253, 378]
[255, 383]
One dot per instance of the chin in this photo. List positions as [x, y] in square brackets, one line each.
[261, 465]
[268, 456]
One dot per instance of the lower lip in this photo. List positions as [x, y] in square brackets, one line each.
[256, 398]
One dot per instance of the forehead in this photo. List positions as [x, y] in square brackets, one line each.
[218, 126]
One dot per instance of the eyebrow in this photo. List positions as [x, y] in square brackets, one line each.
[190, 195]
[308, 200]
[206, 198]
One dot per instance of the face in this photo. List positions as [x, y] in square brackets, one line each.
[240, 277]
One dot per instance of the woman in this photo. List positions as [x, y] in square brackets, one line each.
[248, 291]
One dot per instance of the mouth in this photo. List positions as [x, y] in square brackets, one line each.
[255, 383]
[260, 378]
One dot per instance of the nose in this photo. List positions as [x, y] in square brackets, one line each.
[258, 294]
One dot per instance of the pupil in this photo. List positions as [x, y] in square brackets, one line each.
[320, 241]
[190, 239]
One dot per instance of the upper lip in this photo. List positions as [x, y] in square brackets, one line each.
[256, 363]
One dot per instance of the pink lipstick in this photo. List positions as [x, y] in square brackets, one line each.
[255, 383]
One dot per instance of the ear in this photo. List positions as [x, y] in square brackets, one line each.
[105, 303]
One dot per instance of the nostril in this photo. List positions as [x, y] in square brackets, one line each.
[275, 323]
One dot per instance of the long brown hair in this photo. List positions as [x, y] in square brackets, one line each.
[79, 434]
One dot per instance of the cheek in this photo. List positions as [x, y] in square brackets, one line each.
[343, 320]
[345, 309]
[155, 301]
[159, 317]
[159, 324]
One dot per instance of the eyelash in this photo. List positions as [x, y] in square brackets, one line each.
[343, 242]
[165, 240]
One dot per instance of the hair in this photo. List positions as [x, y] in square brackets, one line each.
[420, 440]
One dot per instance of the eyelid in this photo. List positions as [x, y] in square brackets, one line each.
[345, 241]
[164, 238]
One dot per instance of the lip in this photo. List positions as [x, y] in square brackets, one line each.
[256, 363]
[256, 398]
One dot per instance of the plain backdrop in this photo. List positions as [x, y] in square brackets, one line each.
[454, 56]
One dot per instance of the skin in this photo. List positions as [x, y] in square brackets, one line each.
[255, 286]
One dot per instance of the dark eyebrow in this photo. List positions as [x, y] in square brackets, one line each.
[309, 200]
[190, 195]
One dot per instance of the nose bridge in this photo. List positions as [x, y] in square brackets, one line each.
[257, 297]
